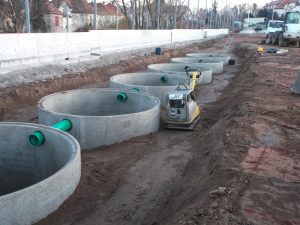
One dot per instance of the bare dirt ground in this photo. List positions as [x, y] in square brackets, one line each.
[241, 165]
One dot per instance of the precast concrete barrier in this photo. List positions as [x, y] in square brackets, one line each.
[211, 55]
[157, 84]
[215, 64]
[102, 116]
[35, 181]
[180, 68]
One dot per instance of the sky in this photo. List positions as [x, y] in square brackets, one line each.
[221, 3]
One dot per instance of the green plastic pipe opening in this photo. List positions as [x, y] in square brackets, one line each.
[164, 79]
[135, 89]
[122, 97]
[38, 138]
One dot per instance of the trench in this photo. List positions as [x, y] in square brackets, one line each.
[138, 181]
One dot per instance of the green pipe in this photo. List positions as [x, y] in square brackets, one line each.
[122, 97]
[64, 125]
[164, 79]
[38, 138]
[135, 89]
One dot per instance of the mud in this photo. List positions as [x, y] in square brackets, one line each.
[241, 165]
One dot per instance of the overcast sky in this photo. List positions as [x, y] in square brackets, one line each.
[221, 3]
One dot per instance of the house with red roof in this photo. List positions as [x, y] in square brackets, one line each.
[281, 8]
[77, 15]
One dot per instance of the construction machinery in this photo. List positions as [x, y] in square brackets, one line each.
[183, 111]
[289, 31]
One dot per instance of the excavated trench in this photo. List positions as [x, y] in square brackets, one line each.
[169, 177]
[148, 181]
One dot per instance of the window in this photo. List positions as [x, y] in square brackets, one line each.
[293, 18]
[275, 24]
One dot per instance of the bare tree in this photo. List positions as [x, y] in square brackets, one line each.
[14, 10]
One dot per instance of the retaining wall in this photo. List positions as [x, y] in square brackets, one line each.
[18, 49]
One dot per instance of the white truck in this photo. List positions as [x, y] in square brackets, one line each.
[289, 31]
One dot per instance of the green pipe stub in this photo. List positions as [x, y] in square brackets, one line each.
[37, 138]
[164, 79]
[135, 89]
[122, 97]
[64, 125]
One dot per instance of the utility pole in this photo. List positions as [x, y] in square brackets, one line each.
[175, 15]
[133, 15]
[216, 22]
[157, 13]
[117, 19]
[66, 11]
[95, 16]
[147, 21]
[205, 13]
[187, 24]
[27, 15]
[220, 19]
[192, 20]
[197, 15]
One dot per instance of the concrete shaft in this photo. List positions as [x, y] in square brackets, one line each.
[179, 68]
[215, 64]
[97, 116]
[157, 84]
[35, 181]
[212, 55]
[296, 86]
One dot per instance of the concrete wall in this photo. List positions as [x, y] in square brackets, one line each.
[18, 49]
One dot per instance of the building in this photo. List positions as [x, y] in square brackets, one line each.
[77, 15]
[53, 17]
[281, 8]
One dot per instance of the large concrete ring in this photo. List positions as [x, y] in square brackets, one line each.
[97, 116]
[212, 55]
[157, 84]
[179, 68]
[35, 181]
[215, 64]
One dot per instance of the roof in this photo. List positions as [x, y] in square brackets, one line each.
[274, 3]
[50, 8]
[283, 3]
[79, 6]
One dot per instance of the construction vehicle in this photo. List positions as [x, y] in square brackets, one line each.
[289, 32]
[272, 27]
[183, 112]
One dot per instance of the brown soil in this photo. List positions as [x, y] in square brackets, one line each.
[241, 165]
